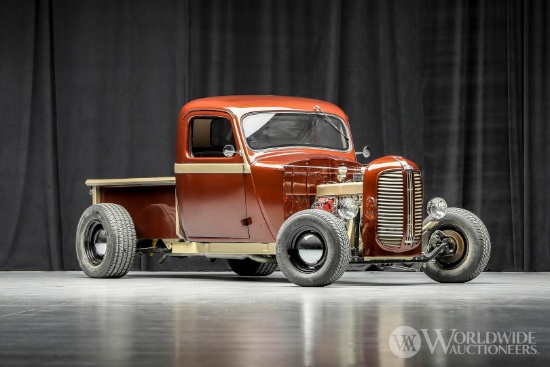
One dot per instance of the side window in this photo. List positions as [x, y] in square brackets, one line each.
[209, 135]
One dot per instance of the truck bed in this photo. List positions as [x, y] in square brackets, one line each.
[149, 201]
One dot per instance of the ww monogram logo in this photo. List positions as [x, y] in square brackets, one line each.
[405, 342]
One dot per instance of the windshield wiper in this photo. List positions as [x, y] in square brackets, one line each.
[318, 109]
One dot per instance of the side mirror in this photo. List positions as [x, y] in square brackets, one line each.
[366, 152]
[229, 151]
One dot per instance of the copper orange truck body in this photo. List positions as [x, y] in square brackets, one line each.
[267, 181]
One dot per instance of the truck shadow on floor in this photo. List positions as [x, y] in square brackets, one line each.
[229, 277]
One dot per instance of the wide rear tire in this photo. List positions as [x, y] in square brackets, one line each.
[313, 248]
[105, 241]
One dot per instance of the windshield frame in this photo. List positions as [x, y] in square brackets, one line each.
[347, 131]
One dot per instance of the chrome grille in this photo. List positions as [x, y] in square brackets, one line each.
[417, 206]
[390, 208]
[399, 215]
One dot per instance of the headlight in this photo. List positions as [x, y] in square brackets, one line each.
[347, 208]
[437, 208]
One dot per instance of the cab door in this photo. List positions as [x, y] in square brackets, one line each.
[210, 185]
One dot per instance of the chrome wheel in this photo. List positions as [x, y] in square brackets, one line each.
[313, 248]
[96, 243]
[310, 248]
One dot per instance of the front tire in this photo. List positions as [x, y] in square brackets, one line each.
[313, 248]
[473, 247]
[249, 267]
[105, 241]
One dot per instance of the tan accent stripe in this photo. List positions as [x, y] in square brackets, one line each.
[351, 231]
[348, 188]
[95, 195]
[178, 228]
[246, 164]
[211, 168]
[150, 181]
[226, 248]
[428, 226]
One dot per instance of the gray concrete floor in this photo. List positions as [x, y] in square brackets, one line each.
[221, 319]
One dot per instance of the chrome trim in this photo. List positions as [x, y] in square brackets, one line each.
[399, 207]
[390, 208]
[418, 196]
[409, 232]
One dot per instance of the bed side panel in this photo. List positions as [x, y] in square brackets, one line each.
[152, 208]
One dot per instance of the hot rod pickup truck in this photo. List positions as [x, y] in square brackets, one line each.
[267, 181]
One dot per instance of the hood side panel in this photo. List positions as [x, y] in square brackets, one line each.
[301, 178]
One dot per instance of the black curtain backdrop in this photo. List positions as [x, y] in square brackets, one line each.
[91, 89]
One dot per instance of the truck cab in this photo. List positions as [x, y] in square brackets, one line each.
[231, 158]
[267, 182]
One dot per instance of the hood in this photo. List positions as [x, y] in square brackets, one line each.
[286, 183]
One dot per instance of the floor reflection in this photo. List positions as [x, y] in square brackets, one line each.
[225, 320]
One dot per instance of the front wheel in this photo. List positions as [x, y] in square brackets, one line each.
[313, 248]
[105, 241]
[472, 247]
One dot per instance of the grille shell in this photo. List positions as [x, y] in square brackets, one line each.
[399, 219]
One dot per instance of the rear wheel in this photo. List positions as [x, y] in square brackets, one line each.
[249, 267]
[313, 248]
[472, 247]
[105, 241]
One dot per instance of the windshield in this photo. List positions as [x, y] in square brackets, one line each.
[283, 129]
